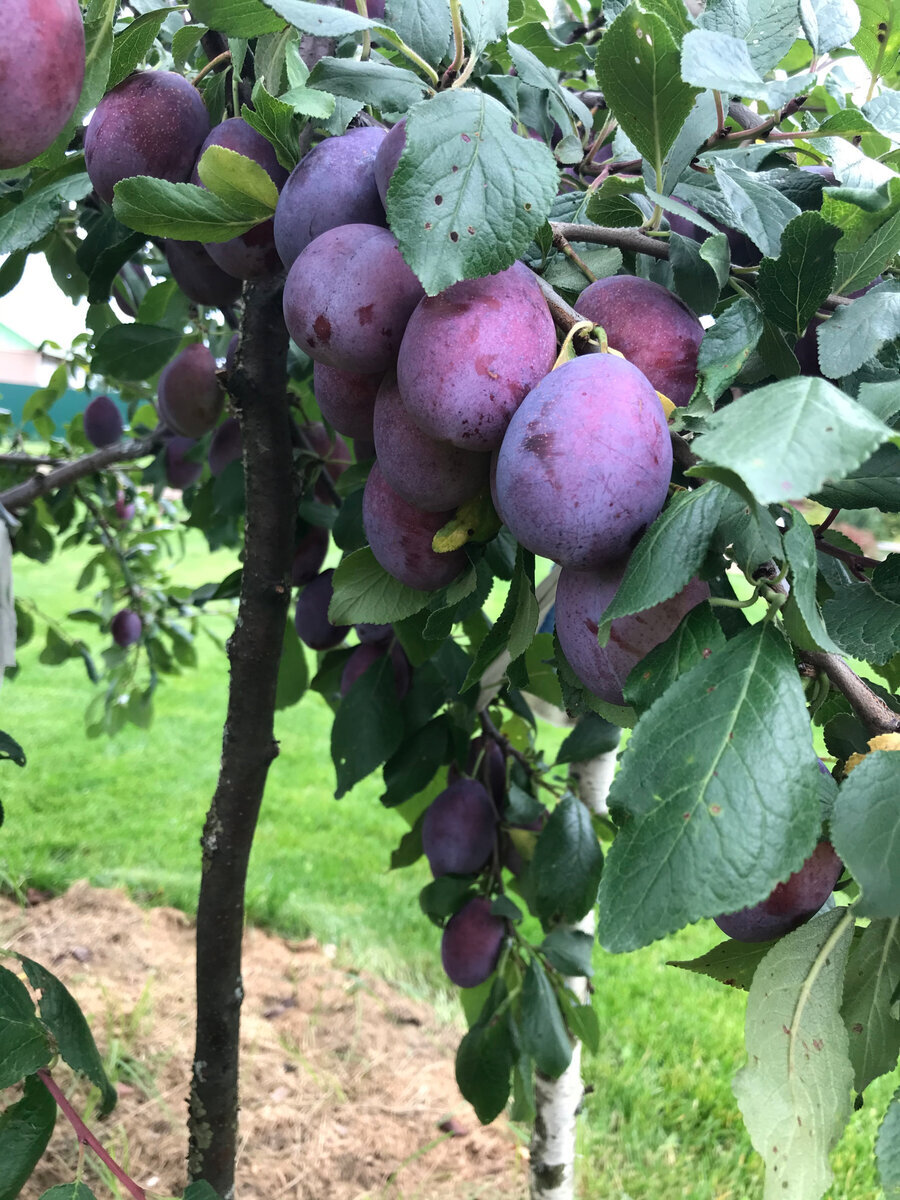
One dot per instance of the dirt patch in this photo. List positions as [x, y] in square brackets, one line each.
[345, 1082]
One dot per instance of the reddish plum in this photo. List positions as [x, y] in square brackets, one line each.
[388, 156]
[181, 471]
[790, 904]
[198, 276]
[190, 398]
[102, 421]
[346, 399]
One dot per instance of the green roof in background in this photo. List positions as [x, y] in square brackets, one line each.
[10, 340]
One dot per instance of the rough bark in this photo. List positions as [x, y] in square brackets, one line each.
[248, 744]
[43, 482]
[558, 1101]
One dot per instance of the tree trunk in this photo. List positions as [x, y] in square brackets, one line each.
[257, 386]
[558, 1101]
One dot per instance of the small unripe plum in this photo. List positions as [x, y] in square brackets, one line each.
[429, 474]
[585, 464]
[400, 537]
[791, 904]
[225, 447]
[42, 60]
[126, 627]
[153, 123]
[333, 184]
[250, 255]
[471, 943]
[124, 509]
[388, 156]
[309, 554]
[198, 276]
[366, 654]
[582, 597]
[181, 471]
[649, 325]
[311, 615]
[471, 354]
[459, 829]
[346, 399]
[102, 421]
[348, 298]
[190, 398]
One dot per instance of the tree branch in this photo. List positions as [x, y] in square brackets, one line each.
[625, 239]
[248, 743]
[23, 494]
[877, 716]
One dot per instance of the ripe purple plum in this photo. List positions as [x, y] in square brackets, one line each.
[471, 354]
[742, 251]
[181, 471]
[459, 829]
[369, 652]
[487, 762]
[346, 399]
[126, 627]
[124, 508]
[363, 449]
[225, 447]
[153, 123]
[335, 454]
[198, 276]
[471, 943]
[388, 156]
[309, 554]
[649, 325]
[428, 474]
[400, 537]
[102, 421]
[42, 60]
[311, 615]
[190, 398]
[585, 464]
[251, 255]
[334, 184]
[348, 298]
[582, 597]
[370, 634]
[374, 8]
[790, 904]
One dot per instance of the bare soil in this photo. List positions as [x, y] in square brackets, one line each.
[346, 1083]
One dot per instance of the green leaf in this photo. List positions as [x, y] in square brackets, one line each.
[794, 1092]
[668, 555]
[731, 963]
[277, 122]
[483, 1063]
[542, 1029]
[24, 1044]
[800, 548]
[875, 484]
[760, 210]
[29, 220]
[768, 27]
[860, 266]
[320, 19]
[887, 1150]
[238, 181]
[691, 789]
[873, 971]
[388, 87]
[131, 46]
[697, 637]
[569, 951]
[25, 1129]
[424, 25]
[515, 628]
[878, 40]
[857, 331]
[485, 21]
[591, 737]
[182, 211]
[413, 766]
[76, 1190]
[828, 24]
[10, 749]
[783, 441]
[695, 279]
[368, 727]
[237, 18]
[293, 673]
[567, 863]
[364, 592]
[712, 59]
[75, 1042]
[793, 286]
[468, 195]
[638, 68]
[201, 1190]
[864, 828]
[865, 623]
[134, 352]
[726, 346]
[583, 1022]
[883, 112]
[609, 204]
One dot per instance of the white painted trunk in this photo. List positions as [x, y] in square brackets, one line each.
[558, 1101]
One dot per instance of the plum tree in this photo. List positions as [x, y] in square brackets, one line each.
[201, 279]
[790, 904]
[334, 184]
[649, 325]
[348, 298]
[506, 326]
[311, 614]
[102, 421]
[585, 464]
[153, 123]
[460, 829]
[471, 943]
[126, 627]
[189, 394]
[429, 474]
[42, 59]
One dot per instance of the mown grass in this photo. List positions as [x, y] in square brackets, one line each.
[660, 1120]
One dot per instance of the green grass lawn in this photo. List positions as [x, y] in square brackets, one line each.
[660, 1120]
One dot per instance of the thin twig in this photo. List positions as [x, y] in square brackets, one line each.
[877, 716]
[21, 459]
[23, 494]
[625, 239]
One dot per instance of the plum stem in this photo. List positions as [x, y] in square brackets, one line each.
[459, 46]
[562, 243]
[225, 56]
